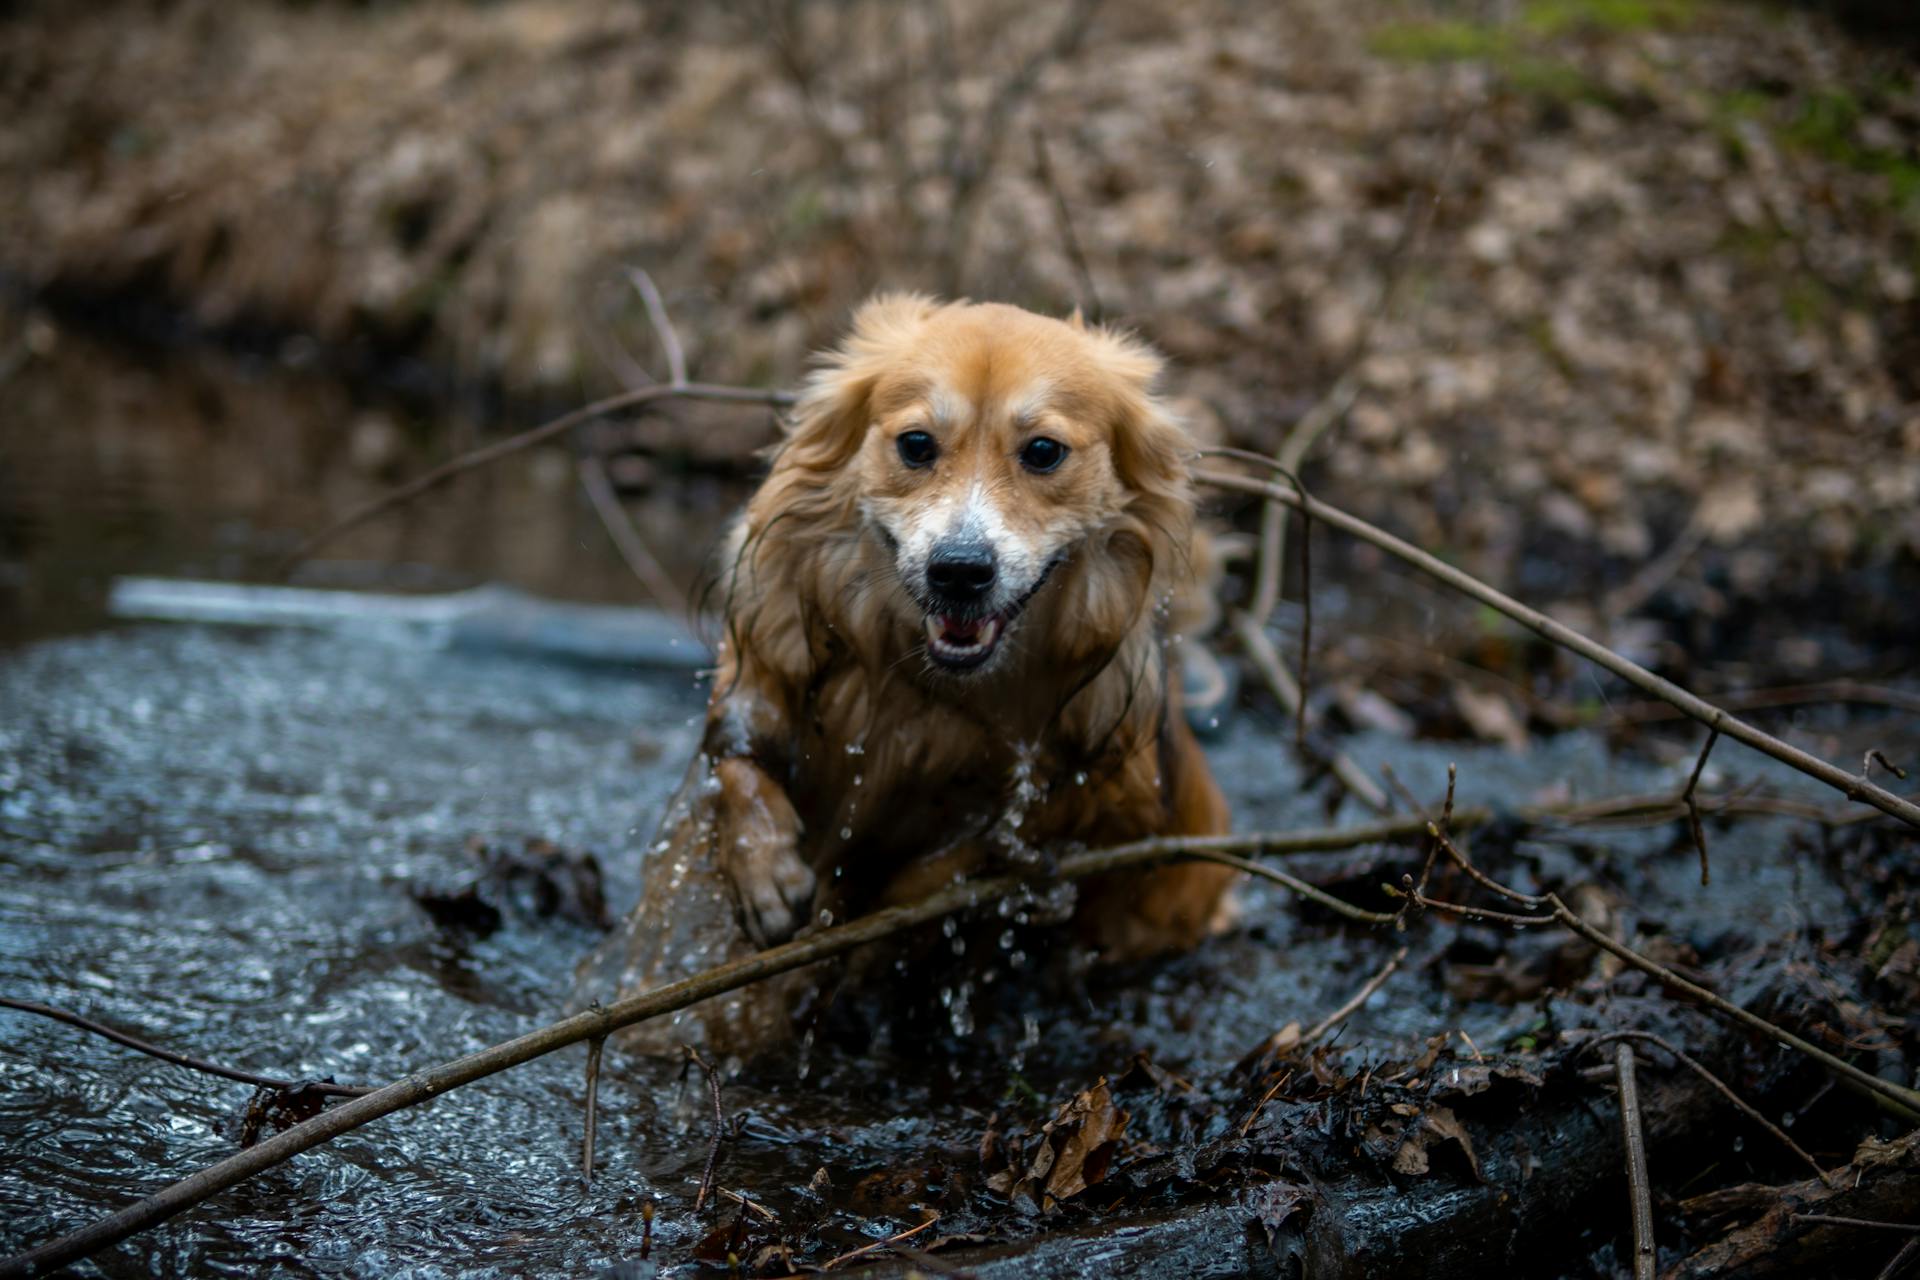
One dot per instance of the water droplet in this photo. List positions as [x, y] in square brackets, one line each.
[1080, 779]
[846, 833]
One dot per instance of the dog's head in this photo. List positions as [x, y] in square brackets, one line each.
[983, 447]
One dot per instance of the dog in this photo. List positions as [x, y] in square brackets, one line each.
[949, 619]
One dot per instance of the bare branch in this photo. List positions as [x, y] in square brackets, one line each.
[1746, 1108]
[662, 327]
[626, 537]
[1267, 661]
[325, 1088]
[1689, 798]
[695, 1059]
[517, 443]
[1854, 788]
[1634, 1140]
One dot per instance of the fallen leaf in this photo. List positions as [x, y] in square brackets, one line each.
[1490, 716]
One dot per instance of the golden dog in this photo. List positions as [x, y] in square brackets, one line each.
[947, 617]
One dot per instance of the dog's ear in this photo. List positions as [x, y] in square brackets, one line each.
[833, 412]
[1152, 451]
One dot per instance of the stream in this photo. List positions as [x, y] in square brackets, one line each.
[219, 838]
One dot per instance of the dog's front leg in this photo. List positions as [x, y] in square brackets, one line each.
[757, 844]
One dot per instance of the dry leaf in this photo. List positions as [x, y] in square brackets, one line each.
[1490, 716]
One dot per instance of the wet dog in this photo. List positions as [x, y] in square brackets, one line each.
[948, 613]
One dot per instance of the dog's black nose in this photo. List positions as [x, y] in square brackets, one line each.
[961, 571]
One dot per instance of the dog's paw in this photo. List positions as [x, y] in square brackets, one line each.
[773, 885]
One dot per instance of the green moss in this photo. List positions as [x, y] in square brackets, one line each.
[1441, 42]
[1514, 49]
[1557, 17]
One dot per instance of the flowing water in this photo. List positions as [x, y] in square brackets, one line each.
[216, 837]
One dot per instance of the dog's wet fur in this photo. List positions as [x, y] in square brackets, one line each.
[948, 613]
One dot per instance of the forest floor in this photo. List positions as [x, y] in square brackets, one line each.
[1623, 291]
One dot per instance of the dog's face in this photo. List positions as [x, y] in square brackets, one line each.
[988, 445]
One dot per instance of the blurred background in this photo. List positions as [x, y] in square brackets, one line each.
[1615, 303]
[1610, 301]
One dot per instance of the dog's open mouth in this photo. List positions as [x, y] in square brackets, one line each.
[959, 643]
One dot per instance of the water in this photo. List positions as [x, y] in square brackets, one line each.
[214, 838]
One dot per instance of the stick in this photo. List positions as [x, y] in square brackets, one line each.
[662, 327]
[325, 1088]
[1837, 1220]
[831, 1263]
[1312, 893]
[594, 1047]
[1854, 788]
[1360, 997]
[632, 547]
[1726, 1091]
[1639, 1192]
[525, 440]
[426, 1085]
[694, 1058]
[1904, 1100]
[1266, 660]
[1693, 804]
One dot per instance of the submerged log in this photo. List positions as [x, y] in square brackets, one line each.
[1457, 1169]
[1881, 1185]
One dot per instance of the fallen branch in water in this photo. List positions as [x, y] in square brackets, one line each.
[1726, 1091]
[548, 430]
[696, 1059]
[1902, 1100]
[424, 1086]
[1854, 787]
[321, 1088]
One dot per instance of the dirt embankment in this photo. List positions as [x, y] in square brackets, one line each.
[1615, 278]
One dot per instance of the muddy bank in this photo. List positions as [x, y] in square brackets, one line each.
[1652, 266]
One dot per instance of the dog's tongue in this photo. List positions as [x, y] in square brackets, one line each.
[960, 630]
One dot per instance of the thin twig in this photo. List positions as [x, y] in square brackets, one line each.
[1688, 798]
[694, 1058]
[1253, 1116]
[492, 453]
[1269, 566]
[426, 1085]
[1851, 691]
[865, 1249]
[626, 537]
[1904, 1100]
[751, 1206]
[325, 1088]
[1854, 788]
[1266, 660]
[1876, 756]
[1312, 893]
[1901, 1260]
[594, 1047]
[1639, 1191]
[662, 327]
[1838, 1221]
[1360, 997]
[1746, 1108]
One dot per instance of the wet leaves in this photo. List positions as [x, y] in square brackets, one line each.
[270, 1111]
[1072, 1151]
[538, 881]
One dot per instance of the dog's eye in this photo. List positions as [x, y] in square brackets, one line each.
[917, 448]
[1042, 454]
